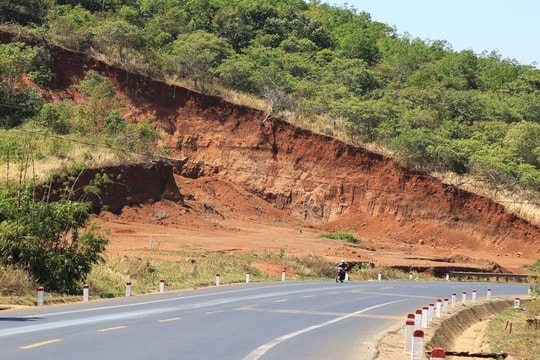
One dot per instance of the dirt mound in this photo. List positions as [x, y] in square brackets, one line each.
[270, 186]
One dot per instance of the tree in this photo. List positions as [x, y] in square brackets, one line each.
[50, 240]
[522, 140]
[118, 36]
[197, 54]
[24, 12]
[100, 99]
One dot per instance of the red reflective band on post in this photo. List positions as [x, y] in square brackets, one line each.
[438, 352]
[409, 322]
[418, 333]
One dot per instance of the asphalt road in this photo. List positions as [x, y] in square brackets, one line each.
[281, 320]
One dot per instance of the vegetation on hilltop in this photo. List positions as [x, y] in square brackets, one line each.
[432, 108]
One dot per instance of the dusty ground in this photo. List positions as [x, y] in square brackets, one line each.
[219, 217]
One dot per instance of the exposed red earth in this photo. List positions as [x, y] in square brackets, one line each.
[234, 184]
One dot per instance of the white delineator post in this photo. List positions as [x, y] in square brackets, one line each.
[86, 293]
[379, 277]
[438, 308]
[217, 280]
[283, 275]
[517, 303]
[424, 323]
[417, 318]
[488, 294]
[447, 277]
[417, 346]
[128, 289]
[409, 328]
[473, 296]
[40, 294]
[437, 354]
[431, 311]
[453, 299]
[464, 298]
[445, 306]
[161, 285]
[247, 277]
[346, 276]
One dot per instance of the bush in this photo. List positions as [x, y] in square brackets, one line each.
[342, 236]
[15, 282]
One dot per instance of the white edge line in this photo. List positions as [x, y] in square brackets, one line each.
[261, 350]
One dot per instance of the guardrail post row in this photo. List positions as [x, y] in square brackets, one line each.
[445, 306]
[128, 289]
[247, 277]
[417, 318]
[40, 294]
[488, 294]
[161, 285]
[437, 354]
[473, 296]
[424, 317]
[464, 298]
[86, 292]
[217, 280]
[283, 275]
[438, 307]
[454, 299]
[409, 328]
[417, 346]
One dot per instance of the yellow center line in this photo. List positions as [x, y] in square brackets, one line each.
[112, 328]
[170, 319]
[213, 312]
[31, 346]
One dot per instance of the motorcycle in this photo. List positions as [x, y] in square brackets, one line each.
[340, 274]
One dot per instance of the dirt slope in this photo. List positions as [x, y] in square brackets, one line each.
[233, 183]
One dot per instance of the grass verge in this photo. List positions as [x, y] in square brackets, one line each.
[510, 332]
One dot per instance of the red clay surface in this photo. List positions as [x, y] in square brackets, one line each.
[240, 186]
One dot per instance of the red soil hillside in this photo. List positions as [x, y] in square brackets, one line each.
[234, 185]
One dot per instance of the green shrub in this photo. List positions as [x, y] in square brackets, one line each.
[341, 236]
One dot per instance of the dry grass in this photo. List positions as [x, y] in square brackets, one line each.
[517, 203]
[510, 333]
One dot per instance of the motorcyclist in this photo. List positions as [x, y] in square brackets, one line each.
[341, 267]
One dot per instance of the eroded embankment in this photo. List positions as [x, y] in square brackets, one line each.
[316, 178]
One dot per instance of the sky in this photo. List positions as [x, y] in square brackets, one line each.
[511, 28]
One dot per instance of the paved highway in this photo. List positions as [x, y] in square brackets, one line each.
[281, 320]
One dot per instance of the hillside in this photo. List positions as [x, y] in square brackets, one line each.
[233, 184]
